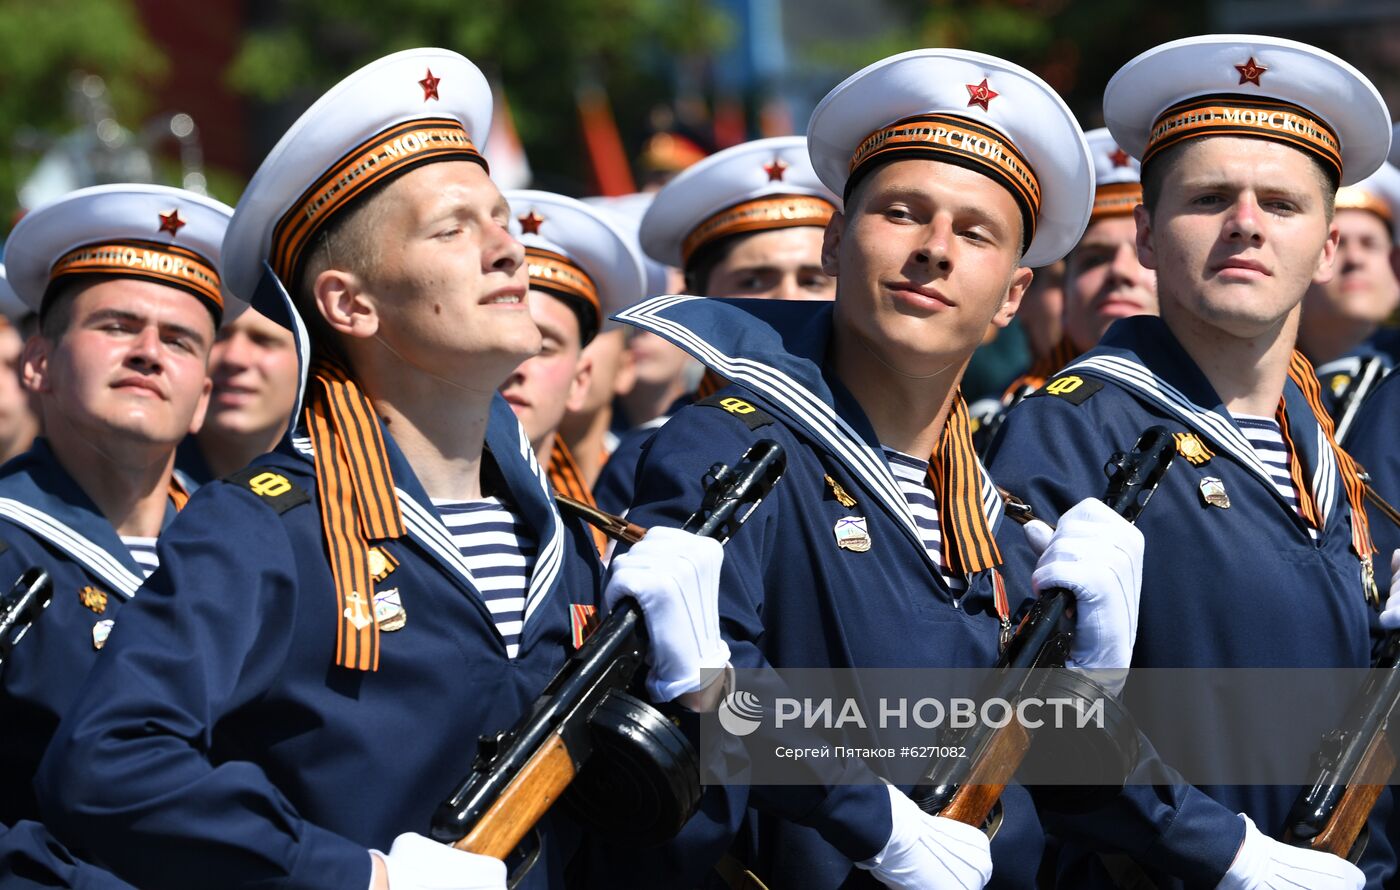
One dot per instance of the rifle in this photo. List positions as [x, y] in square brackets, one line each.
[1355, 763]
[20, 608]
[967, 789]
[1349, 402]
[585, 739]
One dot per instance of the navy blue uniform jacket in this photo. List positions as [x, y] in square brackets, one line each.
[1239, 587]
[47, 521]
[217, 745]
[790, 598]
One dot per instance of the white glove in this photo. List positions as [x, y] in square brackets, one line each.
[1097, 555]
[1390, 618]
[930, 852]
[674, 576]
[1266, 864]
[416, 862]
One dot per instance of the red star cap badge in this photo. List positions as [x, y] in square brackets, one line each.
[171, 222]
[429, 85]
[775, 170]
[980, 94]
[530, 223]
[1119, 158]
[1250, 72]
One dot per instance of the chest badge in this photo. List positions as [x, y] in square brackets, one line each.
[100, 632]
[839, 492]
[852, 534]
[1213, 493]
[1190, 446]
[94, 599]
[389, 612]
[356, 613]
[381, 563]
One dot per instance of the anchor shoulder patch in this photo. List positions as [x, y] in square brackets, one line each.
[276, 490]
[1073, 388]
[752, 415]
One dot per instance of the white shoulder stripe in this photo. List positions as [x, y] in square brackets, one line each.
[835, 432]
[1221, 431]
[551, 552]
[84, 551]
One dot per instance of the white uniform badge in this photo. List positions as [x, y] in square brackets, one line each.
[1213, 493]
[851, 534]
[389, 611]
[100, 631]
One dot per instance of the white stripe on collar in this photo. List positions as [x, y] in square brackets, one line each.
[91, 556]
[838, 436]
[1221, 431]
[550, 556]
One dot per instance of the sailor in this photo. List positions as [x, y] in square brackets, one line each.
[332, 628]
[253, 368]
[1258, 550]
[744, 222]
[125, 280]
[1342, 325]
[958, 170]
[578, 263]
[18, 422]
[1103, 279]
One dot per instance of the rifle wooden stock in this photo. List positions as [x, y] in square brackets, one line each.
[965, 791]
[520, 774]
[1355, 764]
[995, 766]
[1352, 811]
[523, 803]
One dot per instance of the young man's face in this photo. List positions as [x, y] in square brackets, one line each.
[130, 366]
[926, 257]
[781, 264]
[1238, 233]
[253, 365]
[1105, 282]
[544, 387]
[17, 421]
[1363, 287]
[449, 285]
[612, 372]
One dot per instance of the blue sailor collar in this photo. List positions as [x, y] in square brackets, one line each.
[1383, 344]
[39, 496]
[777, 350]
[1142, 355]
[529, 492]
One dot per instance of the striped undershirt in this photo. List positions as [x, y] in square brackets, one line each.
[1266, 437]
[912, 476]
[143, 550]
[500, 552]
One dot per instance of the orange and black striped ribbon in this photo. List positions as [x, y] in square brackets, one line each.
[1301, 372]
[968, 543]
[1043, 368]
[710, 384]
[358, 503]
[564, 475]
[178, 496]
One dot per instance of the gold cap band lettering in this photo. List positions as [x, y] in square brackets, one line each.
[961, 141]
[1349, 197]
[556, 272]
[162, 263]
[758, 215]
[1116, 199]
[388, 153]
[1228, 115]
